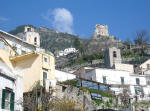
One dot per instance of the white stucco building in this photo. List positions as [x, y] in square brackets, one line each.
[144, 68]
[137, 85]
[63, 76]
[67, 51]
[11, 90]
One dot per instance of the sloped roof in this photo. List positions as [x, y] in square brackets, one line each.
[15, 37]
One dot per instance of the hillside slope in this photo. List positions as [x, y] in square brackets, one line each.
[50, 39]
[54, 40]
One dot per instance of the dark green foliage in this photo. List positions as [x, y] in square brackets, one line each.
[127, 43]
[141, 40]
[104, 94]
[85, 89]
[70, 82]
[98, 102]
[85, 58]
[78, 45]
[56, 41]
[92, 57]
[127, 53]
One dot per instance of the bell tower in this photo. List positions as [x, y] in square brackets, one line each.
[112, 56]
[31, 36]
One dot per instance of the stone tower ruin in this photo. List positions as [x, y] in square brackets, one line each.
[101, 30]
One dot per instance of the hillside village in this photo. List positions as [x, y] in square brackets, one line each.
[33, 78]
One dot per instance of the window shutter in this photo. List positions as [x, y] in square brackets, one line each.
[3, 98]
[12, 101]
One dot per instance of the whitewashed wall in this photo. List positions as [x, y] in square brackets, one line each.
[63, 76]
[18, 92]
[142, 79]
[125, 67]
[112, 76]
[16, 86]
[144, 65]
[143, 83]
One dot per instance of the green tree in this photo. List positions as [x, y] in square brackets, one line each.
[141, 40]
[127, 43]
[78, 45]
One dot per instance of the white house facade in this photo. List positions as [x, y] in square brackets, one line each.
[11, 90]
[67, 51]
[137, 85]
[116, 78]
[63, 76]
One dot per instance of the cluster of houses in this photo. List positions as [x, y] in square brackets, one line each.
[24, 64]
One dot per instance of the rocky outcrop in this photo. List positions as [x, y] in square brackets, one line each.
[73, 93]
[102, 40]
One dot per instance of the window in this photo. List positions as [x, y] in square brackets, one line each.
[44, 78]
[3, 45]
[35, 40]
[23, 52]
[114, 54]
[122, 80]
[45, 59]
[104, 80]
[137, 81]
[104, 88]
[29, 29]
[7, 99]
[138, 90]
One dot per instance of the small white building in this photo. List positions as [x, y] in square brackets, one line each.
[67, 51]
[116, 78]
[11, 90]
[140, 86]
[63, 76]
[145, 67]
[137, 85]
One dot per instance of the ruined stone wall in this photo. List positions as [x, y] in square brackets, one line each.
[101, 30]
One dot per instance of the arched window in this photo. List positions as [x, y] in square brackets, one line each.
[29, 29]
[35, 39]
[114, 54]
